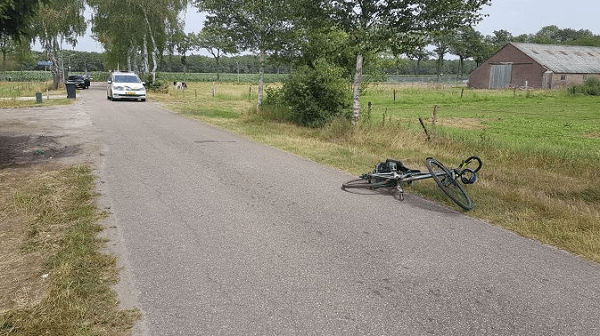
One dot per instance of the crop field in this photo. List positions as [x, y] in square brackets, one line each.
[541, 149]
[23, 89]
[12, 94]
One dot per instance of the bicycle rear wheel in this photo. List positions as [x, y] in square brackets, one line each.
[446, 180]
[365, 183]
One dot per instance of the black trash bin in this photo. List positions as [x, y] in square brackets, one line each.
[71, 93]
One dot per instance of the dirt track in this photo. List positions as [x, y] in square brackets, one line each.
[41, 134]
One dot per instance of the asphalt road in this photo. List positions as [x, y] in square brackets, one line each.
[220, 235]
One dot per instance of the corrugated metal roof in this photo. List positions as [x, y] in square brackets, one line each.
[563, 58]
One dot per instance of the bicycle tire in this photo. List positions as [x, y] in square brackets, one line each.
[449, 185]
[365, 183]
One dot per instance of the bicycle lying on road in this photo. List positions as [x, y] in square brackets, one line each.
[393, 173]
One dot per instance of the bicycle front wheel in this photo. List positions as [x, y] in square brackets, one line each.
[364, 183]
[446, 180]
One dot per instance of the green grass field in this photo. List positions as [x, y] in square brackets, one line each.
[541, 149]
[539, 121]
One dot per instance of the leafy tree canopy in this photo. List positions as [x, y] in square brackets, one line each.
[16, 15]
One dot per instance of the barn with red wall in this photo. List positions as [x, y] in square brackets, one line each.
[537, 66]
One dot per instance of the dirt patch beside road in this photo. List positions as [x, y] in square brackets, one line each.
[34, 135]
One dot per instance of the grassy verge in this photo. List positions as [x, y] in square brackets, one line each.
[540, 149]
[12, 92]
[54, 279]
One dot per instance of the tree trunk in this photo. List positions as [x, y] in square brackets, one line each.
[129, 59]
[154, 50]
[55, 68]
[356, 108]
[154, 62]
[145, 61]
[218, 68]
[261, 79]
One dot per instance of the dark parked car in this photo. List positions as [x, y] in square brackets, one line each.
[80, 81]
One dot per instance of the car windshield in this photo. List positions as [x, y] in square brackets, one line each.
[75, 77]
[126, 79]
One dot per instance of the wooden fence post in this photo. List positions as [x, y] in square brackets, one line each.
[424, 129]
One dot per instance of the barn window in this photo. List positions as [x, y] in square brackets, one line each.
[563, 77]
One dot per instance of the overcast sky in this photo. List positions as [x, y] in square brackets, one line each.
[516, 16]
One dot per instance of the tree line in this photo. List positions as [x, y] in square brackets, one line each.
[81, 62]
[52, 21]
[343, 37]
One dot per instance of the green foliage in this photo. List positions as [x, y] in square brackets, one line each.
[154, 85]
[590, 88]
[313, 96]
[132, 29]
[248, 25]
[325, 43]
[16, 16]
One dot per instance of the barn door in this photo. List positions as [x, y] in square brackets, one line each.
[500, 76]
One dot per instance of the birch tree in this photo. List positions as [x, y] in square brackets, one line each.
[217, 43]
[378, 25]
[260, 26]
[58, 22]
[136, 28]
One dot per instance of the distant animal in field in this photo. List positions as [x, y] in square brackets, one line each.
[180, 85]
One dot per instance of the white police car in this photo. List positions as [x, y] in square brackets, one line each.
[125, 85]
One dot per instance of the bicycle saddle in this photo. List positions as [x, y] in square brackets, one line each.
[399, 166]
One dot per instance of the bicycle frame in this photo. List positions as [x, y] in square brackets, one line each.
[447, 179]
[393, 179]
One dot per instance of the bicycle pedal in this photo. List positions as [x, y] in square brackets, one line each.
[401, 191]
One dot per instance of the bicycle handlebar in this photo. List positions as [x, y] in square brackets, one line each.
[468, 161]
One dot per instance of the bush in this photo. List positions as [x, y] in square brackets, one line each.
[312, 96]
[154, 85]
[590, 88]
